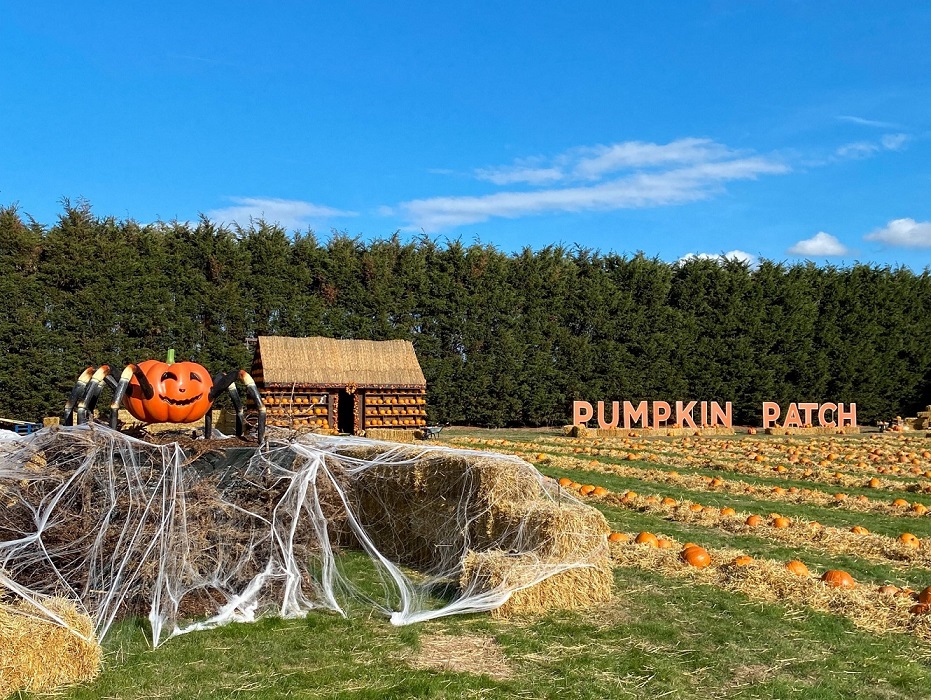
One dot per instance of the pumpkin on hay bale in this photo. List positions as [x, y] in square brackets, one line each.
[38, 655]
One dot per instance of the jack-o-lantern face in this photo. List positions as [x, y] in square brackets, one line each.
[181, 393]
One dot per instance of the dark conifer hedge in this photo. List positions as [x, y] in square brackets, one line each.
[504, 339]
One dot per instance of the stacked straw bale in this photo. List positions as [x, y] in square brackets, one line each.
[491, 519]
[37, 655]
[390, 434]
[815, 430]
[583, 431]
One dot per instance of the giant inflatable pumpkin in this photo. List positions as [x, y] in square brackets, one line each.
[181, 392]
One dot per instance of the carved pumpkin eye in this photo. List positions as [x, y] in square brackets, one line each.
[195, 377]
[169, 375]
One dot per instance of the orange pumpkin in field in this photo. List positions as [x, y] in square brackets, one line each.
[181, 392]
[838, 579]
[798, 568]
[647, 538]
[696, 556]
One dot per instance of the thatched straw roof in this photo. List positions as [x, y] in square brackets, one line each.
[325, 361]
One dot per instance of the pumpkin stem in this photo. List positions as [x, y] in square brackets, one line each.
[171, 356]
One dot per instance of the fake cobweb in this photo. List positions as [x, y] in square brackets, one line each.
[195, 534]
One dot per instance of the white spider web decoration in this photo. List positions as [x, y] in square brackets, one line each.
[195, 540]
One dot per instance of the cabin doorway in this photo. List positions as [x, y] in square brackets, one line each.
[345, 414]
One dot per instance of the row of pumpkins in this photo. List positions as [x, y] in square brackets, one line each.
[697, 556]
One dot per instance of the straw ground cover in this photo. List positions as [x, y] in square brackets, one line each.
[874, 552]
[862, 499]
[894, 463]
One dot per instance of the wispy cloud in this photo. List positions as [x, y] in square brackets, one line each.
[894, 142]
[289, 213]
[905, 233]
[602, 160]
[868, 122]
[594, 162]
[681, 171]
[514, 174]
[821, 245]
[866, 149]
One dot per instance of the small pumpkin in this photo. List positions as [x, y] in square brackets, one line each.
[181, 392]
[925, 595]
[859, 530]
[920, 609]
[888, 590]
[663, 543]
[618, 537]
[600, 491]
[647, 538]
[909, 540]
[796, 567]
[753, 520]
[836, 578]
[565, 481]
[742, 560]
[781, 522]
[696, 556]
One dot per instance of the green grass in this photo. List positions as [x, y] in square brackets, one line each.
[661, 638]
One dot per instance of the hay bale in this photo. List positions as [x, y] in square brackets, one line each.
[814, 430]
[492, 518]
[539, 586]
[390, 434]
[553, 531]
[38, 655]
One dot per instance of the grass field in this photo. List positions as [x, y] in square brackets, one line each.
[665, 635]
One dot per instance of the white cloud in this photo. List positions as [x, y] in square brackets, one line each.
[594, 162]
[820, 245]
[704, 167]
[856, 150]
[601, 160]
[510, 175]
[868, 122]
[289, 213]
[741, 255]
[894, 142]
[865, 149]
[906, 233]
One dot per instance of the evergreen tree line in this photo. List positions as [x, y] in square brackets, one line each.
[503, 339]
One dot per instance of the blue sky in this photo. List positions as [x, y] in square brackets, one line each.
[785, 130]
